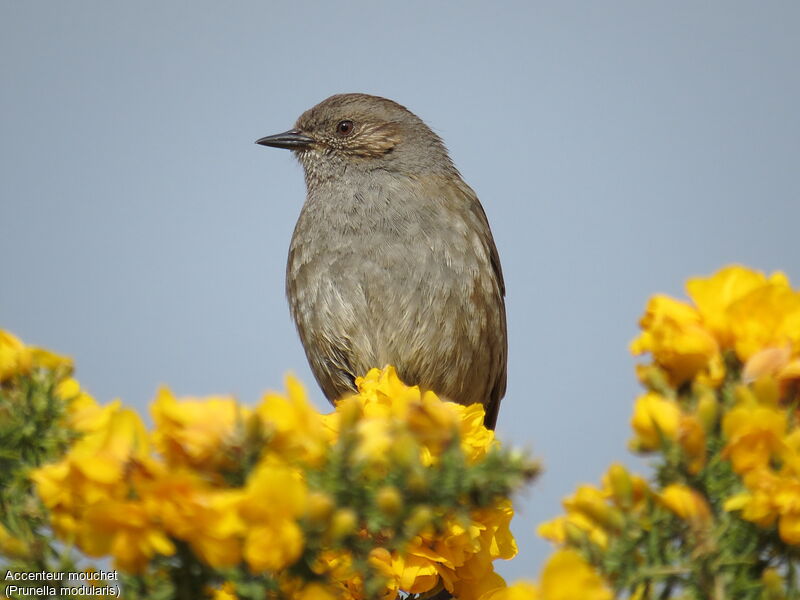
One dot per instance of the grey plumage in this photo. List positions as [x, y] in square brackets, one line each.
[392, 260]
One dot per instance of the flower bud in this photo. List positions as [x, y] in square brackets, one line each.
[405, 451]
[655, 418]
[350, 412]
[774, 585]
[11, 546]
[419, 519]
[574, 535]
[67, 389]
[692, 439]
[708, 410]
[590, 501]
[417, 482]
[320, 507]
[744, 396]
[688, 504]
[653, 377]
[767, 391]
[619, 480]
[344, 523]
[389, 500]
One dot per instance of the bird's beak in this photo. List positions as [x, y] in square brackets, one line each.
[292, 140]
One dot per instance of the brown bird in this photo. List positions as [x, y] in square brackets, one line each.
[392, 260]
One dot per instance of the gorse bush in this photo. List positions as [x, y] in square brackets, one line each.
[720, 518]
[393, 490]
[397, 491]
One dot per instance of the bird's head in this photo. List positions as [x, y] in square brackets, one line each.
[362, 132]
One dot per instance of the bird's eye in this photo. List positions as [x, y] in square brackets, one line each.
[344, 128]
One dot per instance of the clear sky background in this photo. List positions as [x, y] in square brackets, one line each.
[618, 148]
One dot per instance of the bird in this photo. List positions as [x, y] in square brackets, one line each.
[392, 261]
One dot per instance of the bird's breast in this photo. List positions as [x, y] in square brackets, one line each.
[392, 234]
[393, 275]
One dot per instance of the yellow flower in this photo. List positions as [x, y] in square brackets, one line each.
[692, 438]
[15, 357]
[476, 439]
[375, 440]
[626, 490]
[389, 500]
[767, 317]
[67, 389]
[674, 334]
[319, 507]
[479, 586]
[227, 591]
[11, 546]
[757, 505]
[774, 367]
[619, 485]
[707, 409]
[714, 295]
[95, 467]
[47, 359]
[273, 546]
[385, 411]
[315, 591]
[494, 525]
[102, 455]
[191, 510]
[688, 504]
[192, 431]
[461, 554]
[770, 497]
[787, 501]
[124, 530]
[736, 308]
[755, 433]
[344, 522]
[521, 590]
[774, 584]
[275, 496]
[573, 528]
[385, 397]
[384, 393]
[18, 359]
[85, 415]
[298, 432]
[415, 574]
[768, 362]
[566, 576]
[380, 559]
[790, 456]
[591, 502]
[655, 419]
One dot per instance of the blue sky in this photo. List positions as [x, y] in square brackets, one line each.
[618, 148]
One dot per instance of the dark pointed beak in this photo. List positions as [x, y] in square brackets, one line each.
[292, 140]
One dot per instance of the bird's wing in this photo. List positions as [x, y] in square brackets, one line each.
[500, 351]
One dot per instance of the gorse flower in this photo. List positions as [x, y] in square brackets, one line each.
[295, 430]
[763, 445]
[565, 576]
[191, 432]
[688, 504]
[655, 420]
[18, 359]
[673, 332]
[735, 310]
